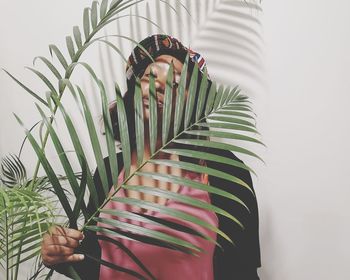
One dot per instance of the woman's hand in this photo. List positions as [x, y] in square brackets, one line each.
[58, 245]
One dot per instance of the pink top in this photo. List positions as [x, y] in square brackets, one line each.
[163, 263]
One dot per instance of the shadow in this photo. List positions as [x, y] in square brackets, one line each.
[224, 32]
[227, 32]
[234, 19]
[242, 48]
[233, 53]
[244, 4]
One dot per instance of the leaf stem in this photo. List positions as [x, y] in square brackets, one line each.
[7, 244]
[133, 174]
[19, 253]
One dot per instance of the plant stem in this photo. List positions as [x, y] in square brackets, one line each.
[143, 164]
[19, 254]
[7, 244]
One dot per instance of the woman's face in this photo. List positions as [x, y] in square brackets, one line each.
[160, 70]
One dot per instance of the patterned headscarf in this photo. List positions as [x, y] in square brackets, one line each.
[157, 45]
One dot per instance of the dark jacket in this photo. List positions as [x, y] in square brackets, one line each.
[239, 262]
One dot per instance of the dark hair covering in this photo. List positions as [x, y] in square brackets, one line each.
[156, 45]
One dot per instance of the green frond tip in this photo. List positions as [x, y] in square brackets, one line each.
[59, 55]
[77, 36]
[70, 47]
[94, 16]
[86, 23]
[103, 8]
[26, 88]
[49, 65]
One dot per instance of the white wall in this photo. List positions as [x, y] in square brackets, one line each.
[306, 190]
[303, 190]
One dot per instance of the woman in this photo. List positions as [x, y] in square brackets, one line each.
[162, 262]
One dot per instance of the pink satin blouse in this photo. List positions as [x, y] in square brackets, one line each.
[164, 264]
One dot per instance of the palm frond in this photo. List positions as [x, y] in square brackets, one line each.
[222, 107]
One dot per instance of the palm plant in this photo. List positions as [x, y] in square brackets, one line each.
[25, 215]
[223, 108]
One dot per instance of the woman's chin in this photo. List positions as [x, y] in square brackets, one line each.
[146, 114]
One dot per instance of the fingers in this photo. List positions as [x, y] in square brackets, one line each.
[61, 252]
[49, 261]
[74, 258]
[68, 232]
[58, 245]
[58, 250]
[61, 240]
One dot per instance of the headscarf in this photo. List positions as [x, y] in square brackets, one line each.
[156, 45]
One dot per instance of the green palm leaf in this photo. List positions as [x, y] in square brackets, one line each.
[202, 95]
[80, 152]
[211, 99]
[51, 67]
[86, 23]
[94, 14]
[124, 133]
[190, 183]
[153, 116]
[191, 97]
[59, 55]
[103, 9]
[197, 168]
[180, 97]
[109, 134]
[31, 92]
[139, 125]
[78, 190]
[77, 37]
[167, 105]
[94, 141]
